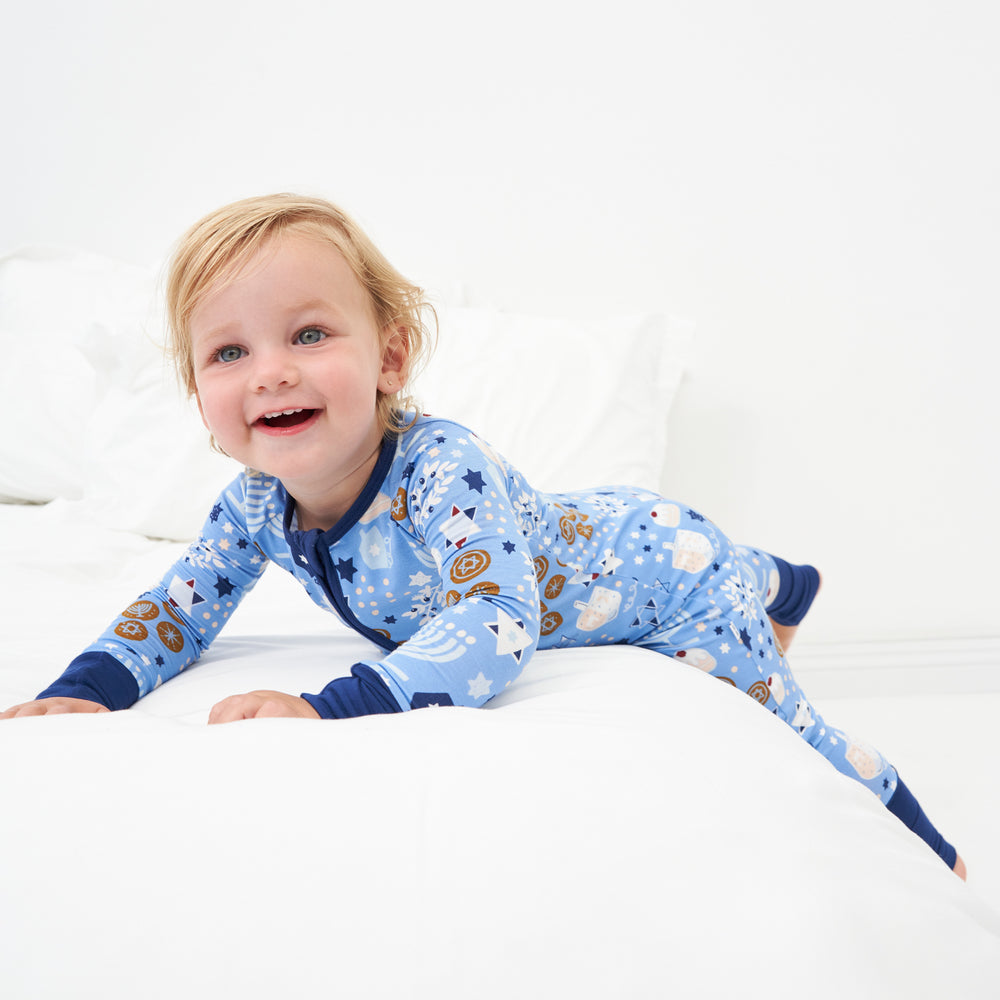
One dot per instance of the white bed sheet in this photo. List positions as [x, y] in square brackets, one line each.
[571, 839]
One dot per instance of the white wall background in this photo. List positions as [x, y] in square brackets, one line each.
[817, 185]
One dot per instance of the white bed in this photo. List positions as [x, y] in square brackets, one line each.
[569, 840]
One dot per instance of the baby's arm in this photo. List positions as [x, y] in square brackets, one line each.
[93, 682]
[166, 629]
[478, 626]
[479, 621]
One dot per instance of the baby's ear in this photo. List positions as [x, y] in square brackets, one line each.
[396, 353]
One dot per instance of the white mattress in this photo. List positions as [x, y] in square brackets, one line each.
[612, 825]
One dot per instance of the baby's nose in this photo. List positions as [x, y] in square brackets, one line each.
[274, 370]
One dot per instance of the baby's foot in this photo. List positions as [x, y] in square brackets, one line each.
[785, 633]
[959, 868]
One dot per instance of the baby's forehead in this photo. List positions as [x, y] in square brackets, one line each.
[248, 262]
[296, 269]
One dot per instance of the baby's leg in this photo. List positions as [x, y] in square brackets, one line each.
[787, 591]
[724, 630]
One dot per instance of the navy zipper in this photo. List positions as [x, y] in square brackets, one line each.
[316, 545]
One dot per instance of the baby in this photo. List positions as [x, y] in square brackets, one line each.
[297, 339]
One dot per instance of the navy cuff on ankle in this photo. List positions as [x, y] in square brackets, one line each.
[797, 589]
[907, 809]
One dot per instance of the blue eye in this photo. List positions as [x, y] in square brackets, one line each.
[311, 336]
[230, 354]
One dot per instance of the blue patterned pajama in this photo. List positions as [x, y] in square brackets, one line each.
[728, 634]
[458, 570]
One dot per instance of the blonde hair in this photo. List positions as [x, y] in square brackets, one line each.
[214, 250]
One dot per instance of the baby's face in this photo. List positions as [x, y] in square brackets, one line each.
[287, 365]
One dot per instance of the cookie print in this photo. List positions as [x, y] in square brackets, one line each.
[170, 636]
[469, 565]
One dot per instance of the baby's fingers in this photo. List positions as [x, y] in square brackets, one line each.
[24, 709]
[234, 708]
[52, 706]
[261, 705]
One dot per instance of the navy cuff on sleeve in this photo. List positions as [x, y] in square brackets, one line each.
[907, 809]
[363, 693]
[96, 677]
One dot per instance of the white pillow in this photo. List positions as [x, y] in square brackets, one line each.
[51, 304]
[572, 404]
[48, 390]
[98, 415]
[152, 470]
[150, 467]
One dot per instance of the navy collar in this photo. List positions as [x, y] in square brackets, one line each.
[361, 504]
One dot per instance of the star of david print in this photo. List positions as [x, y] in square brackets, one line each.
[460, 527]
[183, 595]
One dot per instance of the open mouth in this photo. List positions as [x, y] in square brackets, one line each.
[284, 419]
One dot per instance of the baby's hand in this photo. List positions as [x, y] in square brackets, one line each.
[261, 705]
[52, 706]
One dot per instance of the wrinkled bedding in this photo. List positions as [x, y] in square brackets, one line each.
[570, 839]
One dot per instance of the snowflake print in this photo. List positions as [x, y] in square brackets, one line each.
[204, 557]
[740, 596]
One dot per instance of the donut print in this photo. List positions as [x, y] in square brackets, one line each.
[144, 610]
[759, 691]
[667, 514]
[700, 658]
[554, 587]
[451, 598]
[567, 530]
[483, 587]
[469, 564]
[170, 636]
[131, 629]
[541, 568]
